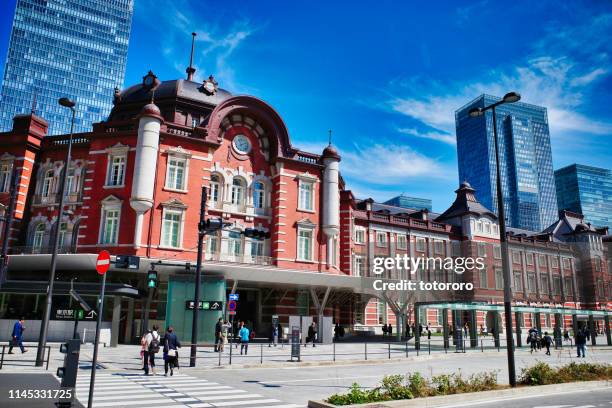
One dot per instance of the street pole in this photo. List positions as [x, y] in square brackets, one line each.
[8, 221]
[505, 262]
[194, 326]
[44, 327]
[94, 362]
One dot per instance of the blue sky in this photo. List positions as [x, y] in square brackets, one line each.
[388, 76]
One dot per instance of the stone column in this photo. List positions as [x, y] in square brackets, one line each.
[129, 322]
[592, 330]
[115, 321]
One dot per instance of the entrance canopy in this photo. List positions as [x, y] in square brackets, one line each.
[524, 309]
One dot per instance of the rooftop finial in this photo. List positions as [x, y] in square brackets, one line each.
[153, 95]
[330, 136]
[190, 69]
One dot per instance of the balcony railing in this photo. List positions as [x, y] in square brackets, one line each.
[29, 250]
[52, 199]
[240, 258]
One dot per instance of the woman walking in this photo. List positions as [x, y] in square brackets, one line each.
[171, 344]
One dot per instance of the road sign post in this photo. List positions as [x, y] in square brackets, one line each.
[102, 265]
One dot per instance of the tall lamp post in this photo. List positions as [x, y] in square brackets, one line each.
[44, 327]
[510, 97]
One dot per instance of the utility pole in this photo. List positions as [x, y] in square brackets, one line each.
[8, 221]
[201, 233]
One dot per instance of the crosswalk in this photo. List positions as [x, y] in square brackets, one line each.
[184, 391]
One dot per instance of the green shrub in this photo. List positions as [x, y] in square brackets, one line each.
[355, 396]
[418, 385]
[541, 373]
[395, 387]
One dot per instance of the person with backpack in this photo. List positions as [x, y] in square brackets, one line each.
[533, 340]
[171, 344]
[581, 339]
[150, 346]
[547, 340]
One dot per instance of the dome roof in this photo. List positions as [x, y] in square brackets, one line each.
[330, 151]
[150, 109]
[177, 88]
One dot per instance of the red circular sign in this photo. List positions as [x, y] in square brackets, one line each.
[103, 262]
[231, 305]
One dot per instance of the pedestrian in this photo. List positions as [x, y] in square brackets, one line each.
[237, 333]
[341, 331]
[465, 330]
[390, 330]
[150, 347]
[547, 340]
[533, 340]
[482, 330]
[312, 334]
[566, 336]
[225, 332]
[274, 335]
[428, 334]
[17, 336]
[384, 330]
[218, 333]
[420, 330]
[581, 339]
[171, 344]
[244, 335]
[408, 330]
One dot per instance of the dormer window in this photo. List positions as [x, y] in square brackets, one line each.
[47, 183]
[5, 176]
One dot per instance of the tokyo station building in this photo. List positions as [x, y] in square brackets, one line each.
[134, 188]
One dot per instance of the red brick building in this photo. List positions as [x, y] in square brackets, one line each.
[134, 186]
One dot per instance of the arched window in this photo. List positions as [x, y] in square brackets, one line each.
[47, 183]
[234, 243]
[237, 192]
[215, 189]
[259, 195]
[39, 235]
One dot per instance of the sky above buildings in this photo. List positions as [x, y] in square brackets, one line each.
[386, 77]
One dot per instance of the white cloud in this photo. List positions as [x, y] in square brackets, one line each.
[440, 137]
[556, 75]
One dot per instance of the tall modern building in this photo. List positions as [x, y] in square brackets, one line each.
[525, 157]
[586, 190]
[413, 203]
[73, 48]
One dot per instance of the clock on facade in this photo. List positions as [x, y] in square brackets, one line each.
[241, 144]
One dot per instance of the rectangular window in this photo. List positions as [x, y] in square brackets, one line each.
[567, 286]
[542, 260]
[566, 263]
[499, 279]
[306, 196]
[518, 282]
[529, 256]
[110, 227]
[555, 262]
[360, 235]
[358, 266]
[482, 249]
[497, 252]
[439, 247]
[234, 244]
[479, 226]
[257, 248]
[531, 283]
[483, 278]
[516, 257]
[304, 244]
[212, 244]
[556, 285]
[420, 244]
[381, 239]
[171, 229]
[402, 242]
[456, 248]
[5, 177]
[175, 176]
[116, 171]
[487, 228]
[544, 289]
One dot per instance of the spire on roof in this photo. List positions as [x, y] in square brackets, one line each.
[190, 69]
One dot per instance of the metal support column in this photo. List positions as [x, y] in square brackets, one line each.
[417, 325]
[518, 317]
[592, 330]
[114, 340]
[445, 327]
[607, 329]
[473, 329]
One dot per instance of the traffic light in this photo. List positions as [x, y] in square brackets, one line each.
[255, 233]
[213, 224]
[68, 373]
[152, 279]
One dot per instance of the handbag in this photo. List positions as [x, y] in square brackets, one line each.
[171, 352]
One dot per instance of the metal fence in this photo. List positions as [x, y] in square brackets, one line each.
[4, 360]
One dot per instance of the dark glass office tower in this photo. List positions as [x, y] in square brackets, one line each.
[586, 190]
[525, 157]
[73, 48]
[413, 203]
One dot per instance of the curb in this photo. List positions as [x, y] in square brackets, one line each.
[457, 400]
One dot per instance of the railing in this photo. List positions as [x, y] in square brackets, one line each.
[179, 130]
[26, 250]
[240, 258]
[53, 199]
[307, 158]
[3, 360]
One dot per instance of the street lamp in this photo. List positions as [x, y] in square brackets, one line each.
[510, 97]
[44, 327]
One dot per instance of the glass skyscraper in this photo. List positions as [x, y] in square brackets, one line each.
[526, 169]
[413, 203]
[73, 48]
[586, 190]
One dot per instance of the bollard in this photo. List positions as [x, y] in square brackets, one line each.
[406, 348]
[219, 352]
[498, 345]
[334, 350]
[389, 350]
[464, 345]
[2, 360]
[366, 350]
[481, 346]
[261, 355]
[429, 347]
